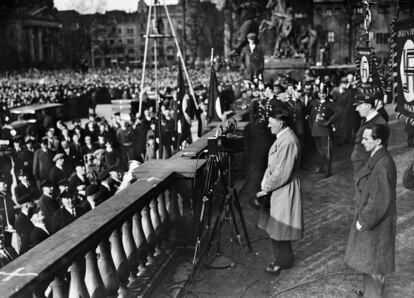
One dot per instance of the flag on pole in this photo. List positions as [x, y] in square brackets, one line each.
[179, 100]
[214, 107]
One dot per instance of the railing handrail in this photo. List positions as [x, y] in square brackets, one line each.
[56, 253]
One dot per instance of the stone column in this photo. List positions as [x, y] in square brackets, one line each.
[31, 44]
[40, 44]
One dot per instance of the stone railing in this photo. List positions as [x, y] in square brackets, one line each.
[122, 246]
[116, 248]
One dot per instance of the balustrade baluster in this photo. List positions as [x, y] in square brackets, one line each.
[93, 279]
[149, 233]
[120, 261]
[140, 242]
[107, 269]
[59, 287]
[77, 283]
[156, 224]
[130, 248]
[174, 215]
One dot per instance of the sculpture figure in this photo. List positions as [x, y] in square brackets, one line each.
[282, 21]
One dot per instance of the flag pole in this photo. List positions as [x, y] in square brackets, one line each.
[141, 91]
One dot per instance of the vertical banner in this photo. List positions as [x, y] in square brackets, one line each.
[368, 77]
[405, 71]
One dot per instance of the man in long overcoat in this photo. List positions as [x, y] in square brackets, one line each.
[371, 243]
[284, 222]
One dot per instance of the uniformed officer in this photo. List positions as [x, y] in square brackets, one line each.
[322, 116]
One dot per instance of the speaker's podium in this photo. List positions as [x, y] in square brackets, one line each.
[123, 107]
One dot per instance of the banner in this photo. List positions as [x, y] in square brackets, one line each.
[367, 75]
[214, 108]
[404, 60]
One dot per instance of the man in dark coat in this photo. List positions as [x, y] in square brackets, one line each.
[58, 173]
[105, 191]
[47, 203]
[365, 106]
[22, 224]
[42, 162]
[371, 242]
[24, 187]
[323, 114]
[40, 232]
[252, 59]
[6, 211]
[67, 213]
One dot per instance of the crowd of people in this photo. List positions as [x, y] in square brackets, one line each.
[48, 181]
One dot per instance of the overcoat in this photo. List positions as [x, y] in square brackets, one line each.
[285, 221]
[372, 250]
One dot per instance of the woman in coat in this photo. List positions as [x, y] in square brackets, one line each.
[283, 222]
[371, 244]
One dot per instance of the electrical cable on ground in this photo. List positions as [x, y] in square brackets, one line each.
[246, 288]
[312, 281]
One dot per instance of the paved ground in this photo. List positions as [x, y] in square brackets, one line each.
[319, 270]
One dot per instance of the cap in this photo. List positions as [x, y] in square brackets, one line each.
[364, 98]
[91, 189]
[79, 164]
[66, 194]
[99, 151]
[46, 183]
[58, 156]
[251, 36]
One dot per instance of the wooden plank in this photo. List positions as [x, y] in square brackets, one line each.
[19, 278]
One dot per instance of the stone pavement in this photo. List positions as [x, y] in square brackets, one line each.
[319, 270]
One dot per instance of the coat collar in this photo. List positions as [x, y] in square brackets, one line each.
[286, 134]
[371, 162]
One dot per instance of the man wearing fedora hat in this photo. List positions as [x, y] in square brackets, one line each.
[366, 107]
[252, 59]
[58, 172]
[22, 224]
[48, 202]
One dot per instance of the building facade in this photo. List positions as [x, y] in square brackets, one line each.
[29, 34]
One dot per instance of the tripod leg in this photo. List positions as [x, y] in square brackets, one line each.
[236, 228]
[236, 203]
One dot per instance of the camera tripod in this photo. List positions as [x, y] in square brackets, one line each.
[219, 205]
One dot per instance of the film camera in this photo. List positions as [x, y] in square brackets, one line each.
[228, 141]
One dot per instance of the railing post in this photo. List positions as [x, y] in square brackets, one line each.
[93, 279]
[120, 261]
[140, 242]
[130, 248]
[149, 233]
[107, 269]
[77, 283]
[156, 224]
[59, 287]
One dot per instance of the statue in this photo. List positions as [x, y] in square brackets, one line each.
[282, 21]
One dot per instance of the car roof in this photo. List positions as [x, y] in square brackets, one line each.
[31, 109]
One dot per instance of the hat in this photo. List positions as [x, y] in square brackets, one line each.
[91, 189]
[45, 140]
[22, 172]
[79, 164]
[58, 156]
[365, 98]
[99, 151]
[66, 194]
[33, 211]
[63, 182]
[251, 36]
[46, 183]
